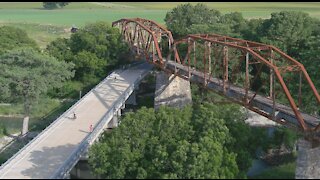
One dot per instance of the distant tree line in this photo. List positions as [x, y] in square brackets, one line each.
[54, 5]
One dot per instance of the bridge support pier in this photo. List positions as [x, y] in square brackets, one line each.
[308, 161]
[171, 91]
[132, 99]
[114, 122]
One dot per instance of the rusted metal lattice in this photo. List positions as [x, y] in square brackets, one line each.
[258, 76]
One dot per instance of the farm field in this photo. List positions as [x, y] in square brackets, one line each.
[80, 13]
[47, 25]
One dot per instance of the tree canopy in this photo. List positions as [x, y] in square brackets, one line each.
[173, 143]
[12, 37]
[286, 29]
[188, 19]
[54, 5]
[93, 49]
[25, 74]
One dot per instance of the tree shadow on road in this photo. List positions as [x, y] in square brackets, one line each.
[47, 161]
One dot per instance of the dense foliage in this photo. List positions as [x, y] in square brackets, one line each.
[12, 37]
[94, 50]
[25, 74]
[188, 19]
[169, 143]
[54, 5]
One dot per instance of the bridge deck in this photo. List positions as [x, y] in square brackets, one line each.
[49, 150]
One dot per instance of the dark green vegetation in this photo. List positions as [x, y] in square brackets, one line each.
[11, 37]
[188, 19]
[26, 74]
[172, 143]
[285, 171]
[54, 5]
[94, 50]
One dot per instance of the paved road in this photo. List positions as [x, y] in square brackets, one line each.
[49, 150]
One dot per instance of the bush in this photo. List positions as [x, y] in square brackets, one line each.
[54, 5]
[70, 89]
[12, 37]
[3, 130]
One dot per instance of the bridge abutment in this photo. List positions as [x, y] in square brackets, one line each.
[171, 91]
[308, 161]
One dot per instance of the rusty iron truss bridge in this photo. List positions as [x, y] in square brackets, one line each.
[258, 76]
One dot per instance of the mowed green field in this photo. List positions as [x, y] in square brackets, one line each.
[80, 13]
[46, 25]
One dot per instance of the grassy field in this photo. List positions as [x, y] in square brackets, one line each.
[80, 13]
[40, 110]
[46, 25]
[41, 33]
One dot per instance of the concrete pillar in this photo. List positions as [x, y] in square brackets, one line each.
[171, 91]
[77, 170]
[25, 126]
[68, 176]
[115, 120]
[132, 99]
[308, 161]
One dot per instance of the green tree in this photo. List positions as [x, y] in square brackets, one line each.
[243, 140]
[181, 18]
[286, 29]
[54, 5]
[309, 56]
[188, 19]
[26, 73]
[168, 143]
[60, 49]
[94, 49]
[12, 37]
[252, 29]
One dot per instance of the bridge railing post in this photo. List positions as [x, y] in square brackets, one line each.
[225, 68]
[247, 82]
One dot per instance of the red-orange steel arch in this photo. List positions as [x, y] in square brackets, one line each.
[142, 34]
